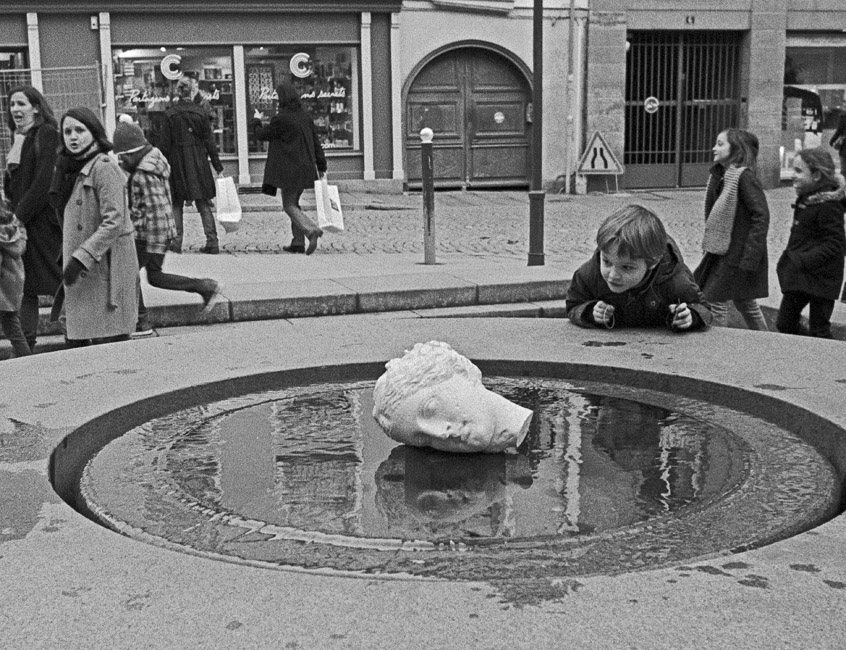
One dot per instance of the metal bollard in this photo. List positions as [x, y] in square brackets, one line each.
[426, 163]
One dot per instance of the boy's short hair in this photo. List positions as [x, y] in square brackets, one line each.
[635, 232]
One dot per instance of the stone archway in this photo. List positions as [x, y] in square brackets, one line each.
[476, 101]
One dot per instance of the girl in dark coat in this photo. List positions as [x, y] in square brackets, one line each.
[188, 144]
[810, 271]
[29, 170]
[295, 160]
[735, 266]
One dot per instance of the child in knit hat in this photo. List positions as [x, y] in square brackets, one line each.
[12, 246]
[150, 210]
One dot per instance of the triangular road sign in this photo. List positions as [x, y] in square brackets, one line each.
[598, 158]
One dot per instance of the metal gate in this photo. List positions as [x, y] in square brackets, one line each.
[64, 88]
[682, 89]
[476, 101]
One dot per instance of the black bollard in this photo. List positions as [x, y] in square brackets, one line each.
[426, 136]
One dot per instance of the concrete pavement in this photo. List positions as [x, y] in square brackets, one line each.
[377, 263]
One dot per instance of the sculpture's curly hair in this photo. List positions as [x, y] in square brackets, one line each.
[425, 365]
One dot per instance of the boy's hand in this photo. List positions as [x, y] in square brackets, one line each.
[603, 314]
[682, 318]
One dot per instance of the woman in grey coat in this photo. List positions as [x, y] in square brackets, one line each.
[98, 246]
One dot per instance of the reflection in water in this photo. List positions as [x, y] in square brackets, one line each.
[312, 458]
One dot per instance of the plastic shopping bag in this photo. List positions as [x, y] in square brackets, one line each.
[330, 217]
[228, 204]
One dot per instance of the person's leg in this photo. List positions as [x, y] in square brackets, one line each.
[29, 319]
[170, 281]
[752, 314]
[143, 324]
[176, 244]
[302, 226]
[720, 312]
[789, 319]
[820, 317]
[209, 227]
[11, 324]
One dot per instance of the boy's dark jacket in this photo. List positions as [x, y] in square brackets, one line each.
[647, 304]
[813, 260]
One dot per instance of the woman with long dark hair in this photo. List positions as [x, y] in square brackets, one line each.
[29, 169]
[295, 160]
[735, 266]
[100, 264]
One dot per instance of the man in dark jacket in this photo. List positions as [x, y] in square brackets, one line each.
[188, 144]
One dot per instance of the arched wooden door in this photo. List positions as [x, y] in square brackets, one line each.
[476, 101]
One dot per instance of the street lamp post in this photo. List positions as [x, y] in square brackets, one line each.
[536, 193]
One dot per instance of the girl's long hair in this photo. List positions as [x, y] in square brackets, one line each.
[743, 148]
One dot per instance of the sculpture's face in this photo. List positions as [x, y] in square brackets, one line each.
[456, 415]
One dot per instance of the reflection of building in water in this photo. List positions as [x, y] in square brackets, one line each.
[666, 451]
[318, 487]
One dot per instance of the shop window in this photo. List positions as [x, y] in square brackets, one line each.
[814, 99]
[12, 59]
[328, 84]
[145, 86]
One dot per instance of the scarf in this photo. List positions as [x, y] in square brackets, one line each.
[13, 158]
[720, 221]
[65, 175]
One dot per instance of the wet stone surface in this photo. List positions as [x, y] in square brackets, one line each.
[609, 479]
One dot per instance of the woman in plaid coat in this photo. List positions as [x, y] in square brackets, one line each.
[150, 210]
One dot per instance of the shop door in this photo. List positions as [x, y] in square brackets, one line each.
[682, 89]
[476, 102]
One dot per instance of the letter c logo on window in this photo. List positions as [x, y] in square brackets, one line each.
[301, 65]
[171, 66]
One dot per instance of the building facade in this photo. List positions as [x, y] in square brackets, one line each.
[664, 78]
[658, 79]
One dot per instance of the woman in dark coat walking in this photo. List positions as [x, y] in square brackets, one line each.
[29, 170]
[188, 143]
[737, 218]
[810, 271]
[295, 160]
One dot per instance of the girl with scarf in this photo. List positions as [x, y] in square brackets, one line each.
[98, 248]
[810, 271]
[737, 218]
[29, 168]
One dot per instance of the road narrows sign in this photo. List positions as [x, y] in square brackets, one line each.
[598, 158]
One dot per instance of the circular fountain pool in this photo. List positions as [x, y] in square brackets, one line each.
[609, 479]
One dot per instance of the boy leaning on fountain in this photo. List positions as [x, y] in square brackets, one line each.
[636, 278]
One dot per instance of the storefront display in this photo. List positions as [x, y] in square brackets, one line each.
[814, 96]
[145, 86]
[327, 79]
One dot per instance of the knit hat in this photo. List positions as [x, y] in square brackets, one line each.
[128, 138]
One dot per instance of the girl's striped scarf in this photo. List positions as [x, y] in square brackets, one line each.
[720, 220]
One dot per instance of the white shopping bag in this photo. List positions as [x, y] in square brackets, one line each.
[330, 217]
[228, 204]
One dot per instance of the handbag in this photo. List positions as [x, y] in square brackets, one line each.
[228, 204]
[330, 216]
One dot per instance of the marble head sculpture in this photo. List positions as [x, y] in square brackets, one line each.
[433, 397]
